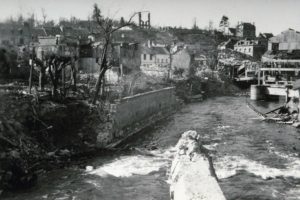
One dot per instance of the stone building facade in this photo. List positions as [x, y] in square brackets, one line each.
[251, 48]
[246, 30]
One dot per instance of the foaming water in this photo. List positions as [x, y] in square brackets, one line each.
[126, 166]
[248, 156]
[229, 166]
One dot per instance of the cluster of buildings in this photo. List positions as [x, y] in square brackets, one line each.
[83, 41]
[278, 56]
[172, 61]
[243, 38]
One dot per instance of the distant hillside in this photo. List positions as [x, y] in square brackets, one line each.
[143, 35]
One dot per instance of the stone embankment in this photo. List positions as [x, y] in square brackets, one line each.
[192, 174]
[132, 114]
[38, 134]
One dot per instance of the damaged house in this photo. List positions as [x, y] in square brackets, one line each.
[245, 30]
[282, 59]
[155, 60]
[253, 48]
[188, 61]
[229, 44]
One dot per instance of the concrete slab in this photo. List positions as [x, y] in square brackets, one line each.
[191, 173]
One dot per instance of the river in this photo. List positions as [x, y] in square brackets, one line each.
[253, 159]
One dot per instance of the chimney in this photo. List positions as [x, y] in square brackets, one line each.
[149, 24]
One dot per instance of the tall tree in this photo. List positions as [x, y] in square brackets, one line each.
[107, 27]
[44, 15]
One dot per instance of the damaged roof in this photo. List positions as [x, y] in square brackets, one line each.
[154, 50]
[38, 32]
[266, 35]
[232, 30]
[288, 36]
[283, 54]
[52, 31]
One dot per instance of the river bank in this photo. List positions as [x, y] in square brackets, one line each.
[253, 159]
[38, 134]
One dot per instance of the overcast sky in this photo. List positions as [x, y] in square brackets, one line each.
[269, 15]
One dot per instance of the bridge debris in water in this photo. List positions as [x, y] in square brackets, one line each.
[192, 174]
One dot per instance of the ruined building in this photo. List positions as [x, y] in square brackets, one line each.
[144, 23]
[253, 48]
[15, 34]
[246, 30]
[282, 60]
[224, 27]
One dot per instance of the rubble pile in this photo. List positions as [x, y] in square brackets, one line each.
[192, 175]
[38, 135]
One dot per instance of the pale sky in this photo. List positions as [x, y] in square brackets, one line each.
[269, 15]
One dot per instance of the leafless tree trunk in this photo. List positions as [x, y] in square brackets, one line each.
[63, 81]
[30, 76]
[106, 26]
[73, 74]
[42, 78]
[103, 68]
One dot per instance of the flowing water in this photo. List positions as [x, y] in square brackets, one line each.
[253, 159]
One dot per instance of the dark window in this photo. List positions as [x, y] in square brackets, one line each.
[145, 56]
[21, 41]
[275, 46]
[151, 56]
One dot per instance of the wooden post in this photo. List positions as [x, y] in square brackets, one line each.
[287, 95]
[30, 75]
[63, 80]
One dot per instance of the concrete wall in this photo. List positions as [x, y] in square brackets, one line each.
[141, 106]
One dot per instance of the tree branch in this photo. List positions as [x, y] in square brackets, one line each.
[128, 23]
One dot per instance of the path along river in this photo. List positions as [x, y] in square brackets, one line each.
[253, 159]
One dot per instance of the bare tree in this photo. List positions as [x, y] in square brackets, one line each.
[42, 72]
[44, 15]
[195, 26]
[107, 27]
[56, 65]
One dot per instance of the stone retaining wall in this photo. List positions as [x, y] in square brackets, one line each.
[141, 106]
[132, 114]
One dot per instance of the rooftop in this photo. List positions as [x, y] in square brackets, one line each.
[283, 54]
[289, 35]
[154, 50]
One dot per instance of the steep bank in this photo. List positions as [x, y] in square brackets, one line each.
[42, 134]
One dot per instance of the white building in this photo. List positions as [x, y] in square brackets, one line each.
[155, 60]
